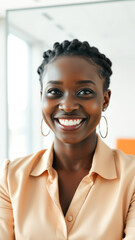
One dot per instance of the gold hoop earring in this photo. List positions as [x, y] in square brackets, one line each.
[45, 135]
[106, 128]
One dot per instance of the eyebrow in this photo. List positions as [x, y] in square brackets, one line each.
[54, 82]
[78, 82]
[85, 81]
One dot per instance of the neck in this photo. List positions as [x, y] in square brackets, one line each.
[74, 157]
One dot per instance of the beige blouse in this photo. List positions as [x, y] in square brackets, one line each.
[102, 208]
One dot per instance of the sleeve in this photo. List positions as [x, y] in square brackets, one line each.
[6, 213]
[129, 230]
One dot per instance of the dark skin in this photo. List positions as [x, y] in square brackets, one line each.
[72, 90]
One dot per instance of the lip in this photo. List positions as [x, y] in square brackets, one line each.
[69, 117]
[69, 128]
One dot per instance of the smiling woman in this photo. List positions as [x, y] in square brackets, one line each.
[79, 188]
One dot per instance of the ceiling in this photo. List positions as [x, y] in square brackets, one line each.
[17, 4]
[99, 25]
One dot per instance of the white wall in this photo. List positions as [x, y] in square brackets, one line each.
[121, 113]
[3, 97]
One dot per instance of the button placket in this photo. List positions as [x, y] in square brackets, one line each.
[78, 200]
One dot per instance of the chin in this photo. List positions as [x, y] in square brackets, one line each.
[70, 140]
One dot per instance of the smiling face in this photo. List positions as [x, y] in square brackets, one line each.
[72, 98]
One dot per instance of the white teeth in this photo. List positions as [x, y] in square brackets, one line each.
[71, 122]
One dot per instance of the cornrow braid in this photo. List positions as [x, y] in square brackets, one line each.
[78, 48]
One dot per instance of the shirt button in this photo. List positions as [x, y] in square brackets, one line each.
[70, 218]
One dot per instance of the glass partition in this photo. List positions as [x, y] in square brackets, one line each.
[108, 25]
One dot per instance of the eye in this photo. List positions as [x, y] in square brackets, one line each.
[54, 92]
[85, 92]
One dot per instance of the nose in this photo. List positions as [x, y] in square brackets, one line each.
[68, 104]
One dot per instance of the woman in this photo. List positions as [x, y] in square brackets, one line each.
[78, 189]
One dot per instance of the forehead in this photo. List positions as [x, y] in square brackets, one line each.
[67, 65]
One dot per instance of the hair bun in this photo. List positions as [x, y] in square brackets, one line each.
[55, 45]
[65, 44]
[85, 43]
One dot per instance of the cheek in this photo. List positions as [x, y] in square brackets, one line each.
[46, 105]
[46, 111]
[94, 107]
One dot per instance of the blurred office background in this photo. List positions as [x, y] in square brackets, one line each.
[31, 27]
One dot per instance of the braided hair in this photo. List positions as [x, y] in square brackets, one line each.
[82, 49]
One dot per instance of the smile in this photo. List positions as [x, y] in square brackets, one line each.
[70, 124]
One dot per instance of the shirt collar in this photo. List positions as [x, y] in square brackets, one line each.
[103, 161]
[44, 163]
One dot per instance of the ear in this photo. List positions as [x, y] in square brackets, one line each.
[41, 94]
[107, 95]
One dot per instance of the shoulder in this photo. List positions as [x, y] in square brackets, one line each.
[14, 174]
[123, 157]
[22, 164]
[125, 163]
